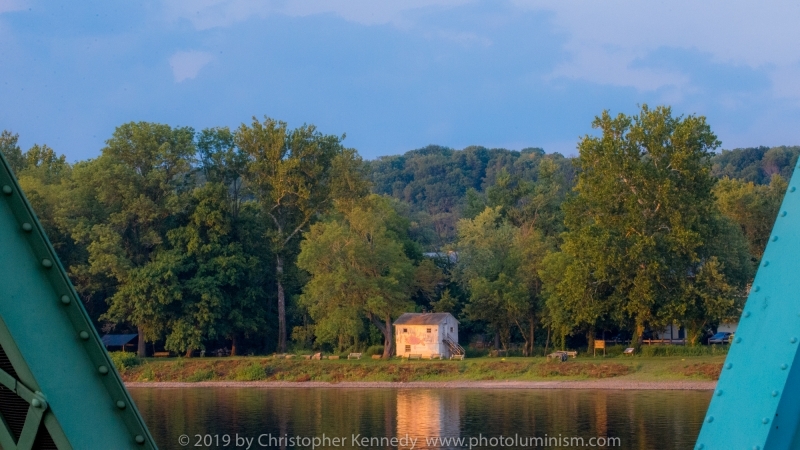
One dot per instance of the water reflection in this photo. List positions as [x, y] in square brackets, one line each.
[641, 419]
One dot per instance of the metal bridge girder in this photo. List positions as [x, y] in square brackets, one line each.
[756, 404]
[58, 386]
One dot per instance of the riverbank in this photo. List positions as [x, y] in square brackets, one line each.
[611, 384]
[584, 372]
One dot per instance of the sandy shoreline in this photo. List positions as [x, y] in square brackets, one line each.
[607, 384]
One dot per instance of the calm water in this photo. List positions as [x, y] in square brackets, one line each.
[640, 419]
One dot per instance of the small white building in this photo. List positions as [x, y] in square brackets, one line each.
[429, 335]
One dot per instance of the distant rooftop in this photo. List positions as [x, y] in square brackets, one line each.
[423, 318]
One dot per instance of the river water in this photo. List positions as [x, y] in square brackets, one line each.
[347, 418]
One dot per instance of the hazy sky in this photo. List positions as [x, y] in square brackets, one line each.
[397, 75]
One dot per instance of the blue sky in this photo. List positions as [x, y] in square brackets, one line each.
[400, 75]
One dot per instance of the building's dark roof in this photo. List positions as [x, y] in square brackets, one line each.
[423, 318]
[117, 339]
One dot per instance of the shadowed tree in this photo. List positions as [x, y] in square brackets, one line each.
[295, 175]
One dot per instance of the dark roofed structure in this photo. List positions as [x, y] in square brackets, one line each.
[423, 318]
[118, 340]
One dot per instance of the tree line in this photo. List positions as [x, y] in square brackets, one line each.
[253, 236]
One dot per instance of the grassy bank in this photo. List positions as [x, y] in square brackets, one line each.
[666, 368]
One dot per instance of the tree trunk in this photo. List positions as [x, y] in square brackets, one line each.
[547, 341]
[531, 340]
[233, 345]
[281, 307]
[386, 330]
[388, 346]
[141, 350]
[188, 353]
[497, 340]
[590, 340]
[639, 334]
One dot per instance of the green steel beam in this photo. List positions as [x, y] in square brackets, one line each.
[756, 404]
[60, 367]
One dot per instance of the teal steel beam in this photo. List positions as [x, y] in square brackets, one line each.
[60, 367]
[756, 404]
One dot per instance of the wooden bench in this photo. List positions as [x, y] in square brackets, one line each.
[628, 351]
[333, 357]
[436, 356]
[414, 356]
[317, 356]
[377, 356]
[161, 354]
[572, 354]
[279, 356]
[354, 356]
[458, 357]
[561, 356]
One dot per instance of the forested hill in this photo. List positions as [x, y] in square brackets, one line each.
[435, 181]
[756, 164]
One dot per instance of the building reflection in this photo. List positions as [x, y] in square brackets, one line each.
[427, 413]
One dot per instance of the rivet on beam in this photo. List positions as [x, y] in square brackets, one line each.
[738, 339]
[766, 263]
[103, 370]
[65, 299]
[139, 439]
[710, 419]
[774, 238]
[729, 366]
[792, 189]
[84, 335]
[783, 214]
[765, 420]
[757, 288]
[774, 393]
[120, 404]
[793, 340]
[46, 263]
[27, 227]
[7, 190]
[784, 367]
[747, 313]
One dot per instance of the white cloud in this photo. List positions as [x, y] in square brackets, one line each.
[186, 65]
[604, 39]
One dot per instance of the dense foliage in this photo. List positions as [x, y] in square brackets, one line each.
[245, 238]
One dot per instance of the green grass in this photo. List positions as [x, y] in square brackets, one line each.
[639, 368]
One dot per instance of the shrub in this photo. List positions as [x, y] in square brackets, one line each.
[250, 372]
[374, 350]
[680, 350]
[124, 360]
[201, 375]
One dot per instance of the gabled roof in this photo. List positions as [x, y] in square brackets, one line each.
[423, 318]
[118, 339]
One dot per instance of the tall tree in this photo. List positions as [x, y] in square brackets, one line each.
[139, 181]
[642, 214]
[358, 268]
[295, 175]
[12, 152]
[498, 264]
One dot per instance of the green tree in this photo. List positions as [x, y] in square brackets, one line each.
[641, 216]
[139, 184]
[295, 176]
[753, 207]
[498, 265]
[358, 269]
[12, 152]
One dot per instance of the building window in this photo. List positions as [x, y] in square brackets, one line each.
[408, 348]
[451, 329]
[428, 330]
[405, 330]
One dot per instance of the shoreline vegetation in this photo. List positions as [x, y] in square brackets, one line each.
[583, 372]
